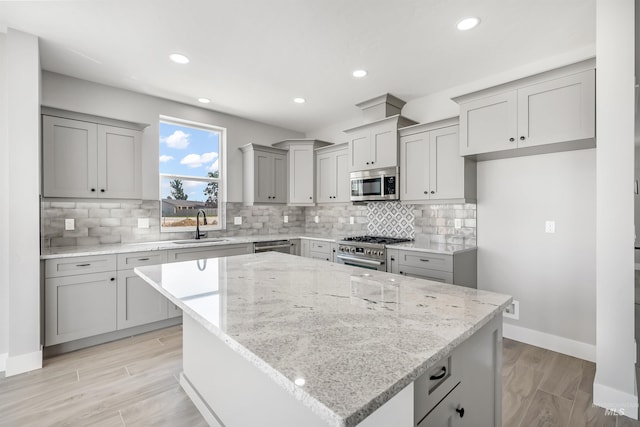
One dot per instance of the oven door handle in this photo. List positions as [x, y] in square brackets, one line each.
[360, 260]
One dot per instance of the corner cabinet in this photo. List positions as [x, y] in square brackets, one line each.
[332, 174]
[264, 174]
[88, 159]
[301, 170]
[431, 167]
[375, 145]
[549, 112]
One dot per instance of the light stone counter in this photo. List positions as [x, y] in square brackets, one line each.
[433, 247]
[356, 337]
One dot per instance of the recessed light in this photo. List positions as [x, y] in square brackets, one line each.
[299, 100]
[468, 23]
[359, 73]
[179, 58]
[299, 381]
[204, 100]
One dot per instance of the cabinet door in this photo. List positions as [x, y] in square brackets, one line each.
[446, 413]
[119, 163]
[384, 146]
[489, 124]
[360, 150]
[446, 167]
[79, 306]
[558, 110]
[279, 177]
[305, 248]
[301, 168]
[414, 166]
[138, 302]
[263, 177]
[342, 179]
[69, 158]
[326, 182]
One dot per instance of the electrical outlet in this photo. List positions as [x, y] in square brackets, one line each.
[458, 223]
[550, 227]
[316, 219]
[237, 220]
[143, 222]
[69, 224]
[286, 219]
[513, 310]
[352, 220]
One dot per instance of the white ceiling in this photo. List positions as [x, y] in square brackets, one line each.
[252, 57]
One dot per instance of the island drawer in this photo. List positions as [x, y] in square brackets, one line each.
[72, 266]
[432, 386]
[426, 260]
[137, 259]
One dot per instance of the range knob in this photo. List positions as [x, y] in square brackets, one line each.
[352, 250]
[367, 252]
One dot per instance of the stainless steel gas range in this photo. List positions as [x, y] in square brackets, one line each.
[366, 251]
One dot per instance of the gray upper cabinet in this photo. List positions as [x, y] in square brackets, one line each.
[90, 160]
[301, 170]
[553, 111]
[430, 165]
[264, 174]
[375, 145]
[332, 170]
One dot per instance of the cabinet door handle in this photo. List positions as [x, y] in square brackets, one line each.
[143, 259]
[113, 279]
[511, 139]
[102, 190]
[367, 162]
[372, 162]
[310, 198]
[93, 190]
[522, 138]
[433, 192]
[460, 411]
[441, 375]
[426, 192]
[83, 265]
[393, 259]
[424, 260]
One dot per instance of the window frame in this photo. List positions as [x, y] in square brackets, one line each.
[221, 180]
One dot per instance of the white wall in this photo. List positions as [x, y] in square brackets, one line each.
[91, 98]
[551, 275]
[4, 218]
[22, 144]
[615, 381]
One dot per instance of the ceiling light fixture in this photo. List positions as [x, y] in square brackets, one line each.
[204, 100]
[468, 23]
[299, 100]
[359, 73]
[179, 58]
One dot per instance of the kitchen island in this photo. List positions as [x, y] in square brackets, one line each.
[274, 339]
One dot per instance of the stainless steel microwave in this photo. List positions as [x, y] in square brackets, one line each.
[375, 184]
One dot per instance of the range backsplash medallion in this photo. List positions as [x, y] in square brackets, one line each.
[100, 222]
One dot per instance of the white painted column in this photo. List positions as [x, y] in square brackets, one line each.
[22, 201]
[4, 215]
[615, 383]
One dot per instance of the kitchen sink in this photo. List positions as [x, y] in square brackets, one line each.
[191, 241]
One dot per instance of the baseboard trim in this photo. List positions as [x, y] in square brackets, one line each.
[207, 413]
[615, 400]
[550, 342]
[3, 361]
[23, 363]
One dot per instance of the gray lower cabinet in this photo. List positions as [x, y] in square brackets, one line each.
[138, 303]
[457, 269]
[80, 306]
[188, 254]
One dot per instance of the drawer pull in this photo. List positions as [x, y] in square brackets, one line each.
[83, 265]
[443, 372]
[143, 259]
[424, 260]
[460, 411]
[113, 279]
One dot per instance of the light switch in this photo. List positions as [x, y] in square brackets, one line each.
[69, 224]
[550, 227]
[143, 222]
[316, 219]
[458, 223]
[237, 220]
[352, 220]
[286, 219]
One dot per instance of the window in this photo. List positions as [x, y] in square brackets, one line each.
[191, 175]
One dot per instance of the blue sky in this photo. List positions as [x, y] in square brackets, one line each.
[190, 152]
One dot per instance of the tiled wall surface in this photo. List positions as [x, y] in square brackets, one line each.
[102, 222]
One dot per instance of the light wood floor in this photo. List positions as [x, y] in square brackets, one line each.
[134, 382]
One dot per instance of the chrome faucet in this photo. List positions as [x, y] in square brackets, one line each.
[198, 235]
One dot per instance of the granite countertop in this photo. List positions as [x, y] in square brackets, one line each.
[73, 251]
[357, 337]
